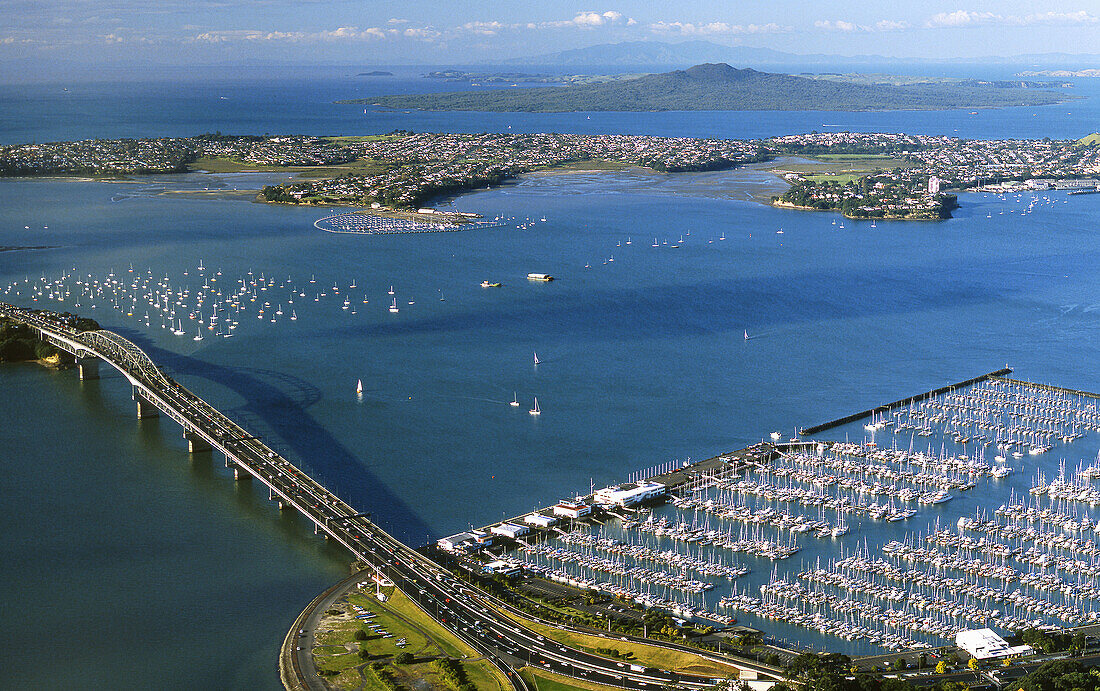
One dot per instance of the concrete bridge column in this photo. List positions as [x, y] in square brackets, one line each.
[241, 475]
[195, 443]
[145, 407]
[88, 368]
[271, 496]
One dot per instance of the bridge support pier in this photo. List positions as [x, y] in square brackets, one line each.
[145, 407]
[87, 368]
[195, 443]
[240, 475]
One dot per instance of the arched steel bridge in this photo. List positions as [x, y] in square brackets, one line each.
[471, 614]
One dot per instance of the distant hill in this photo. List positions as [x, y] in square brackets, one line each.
[721, 87]
[658, 53]
[639, 53]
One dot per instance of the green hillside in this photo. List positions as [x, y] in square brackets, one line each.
[721, 87]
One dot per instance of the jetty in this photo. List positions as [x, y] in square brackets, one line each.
[877, 410]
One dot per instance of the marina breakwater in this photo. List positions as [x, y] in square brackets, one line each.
[1044, 387]
[871, 412]
[763, 452]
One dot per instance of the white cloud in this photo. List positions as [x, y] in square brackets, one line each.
[852, 27]
[715, 28]
[840, 25]
[961, 18]
[422, 34]
[964, 18]
[891, 25]
[1080, 17]
[590, 20]
[485, 28]
[596, 19]
[343, 33]
[396, 28]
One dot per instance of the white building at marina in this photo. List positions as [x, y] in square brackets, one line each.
[984, 644]
[628, 494]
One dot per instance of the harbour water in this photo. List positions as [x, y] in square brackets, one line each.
[642, 361]
[301, 101]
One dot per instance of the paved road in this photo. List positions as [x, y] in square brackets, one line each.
[457, 606]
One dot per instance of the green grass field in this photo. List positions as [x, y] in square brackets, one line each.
[548, 681]
[363, 166]
[648, 655]
[842, 178]
[337, 648]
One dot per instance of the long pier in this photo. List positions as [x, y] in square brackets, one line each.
[457, 606]
[903, 402]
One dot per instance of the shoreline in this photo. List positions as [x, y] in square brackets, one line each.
[291, 674]
[780, 204]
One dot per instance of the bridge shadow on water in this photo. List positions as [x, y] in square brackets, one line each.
[276, 409]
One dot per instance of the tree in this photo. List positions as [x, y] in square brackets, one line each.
[900, 664]
[404, 658]
[972, 663]
[941, 667]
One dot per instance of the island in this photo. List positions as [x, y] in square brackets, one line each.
[718, 86]
[863, 175]
[1089, 72]
[516, 78]
[375, 73]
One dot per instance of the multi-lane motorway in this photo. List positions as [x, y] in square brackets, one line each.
[459, 607]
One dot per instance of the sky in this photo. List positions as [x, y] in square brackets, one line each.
[37, 34]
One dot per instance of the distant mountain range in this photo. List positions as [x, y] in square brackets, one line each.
[635, 53]
[718, 86]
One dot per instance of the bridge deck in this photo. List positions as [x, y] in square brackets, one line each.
[425, 582]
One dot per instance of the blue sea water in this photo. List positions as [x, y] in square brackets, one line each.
[187, 581]
[301, 101]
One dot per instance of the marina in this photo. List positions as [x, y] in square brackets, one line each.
[699, 348]
[783, 534]
[427, 221]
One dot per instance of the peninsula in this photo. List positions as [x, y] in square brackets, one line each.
[864, 175]
[719, 86]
